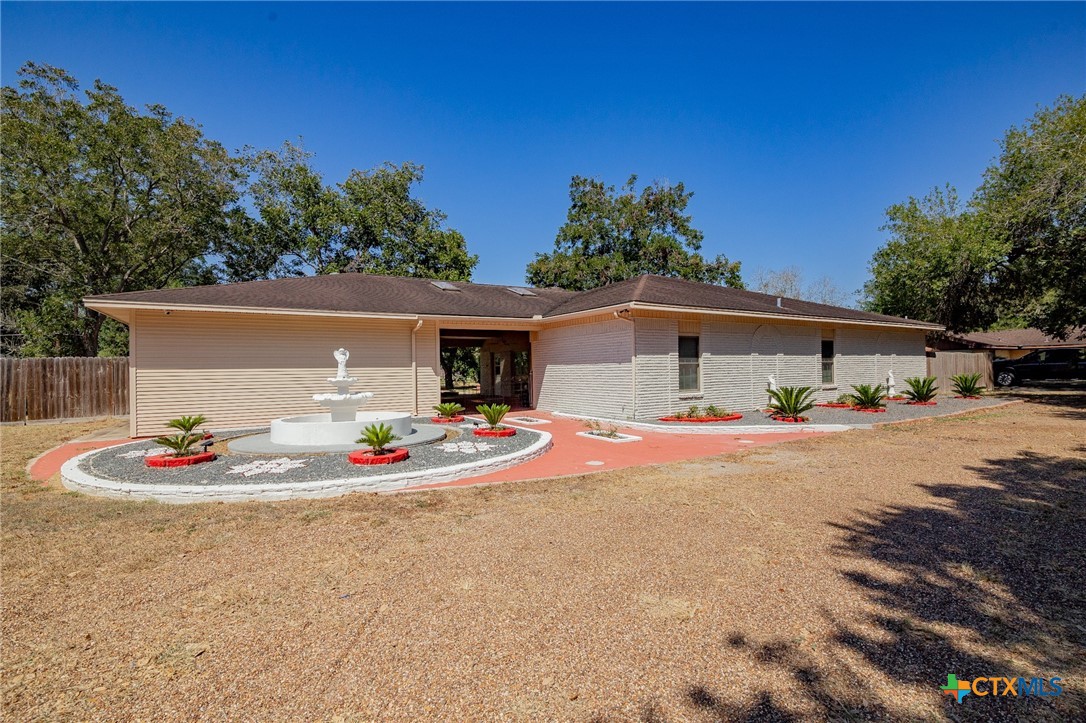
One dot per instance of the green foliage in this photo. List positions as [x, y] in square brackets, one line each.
[713, 411]
[791, 401]
[448, 409]
[370, 223]
[845, 399]
[182, 442]
[694, 412]
[377, 437]
[1014, 256]
[99, 197]
[461, 363]
[493, 413]
[967, 385]
[868, 396]
[921, 389]
[609, 237]
[594, 427]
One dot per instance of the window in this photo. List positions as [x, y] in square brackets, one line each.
[689, 364]
[827, 361]
[445, 286]
[519, 291]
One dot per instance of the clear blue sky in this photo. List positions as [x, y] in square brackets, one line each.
[795, 125]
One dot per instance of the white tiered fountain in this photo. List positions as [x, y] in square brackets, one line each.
[343, 423]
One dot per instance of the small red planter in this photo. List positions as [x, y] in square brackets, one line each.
[486, 432]
[958, 396]
[877, 410]
[895, 399]
[366, 456]
[726, 418]
[921, 404]
[448, 420]
[792, 420]
[169, 460]
[834, 405]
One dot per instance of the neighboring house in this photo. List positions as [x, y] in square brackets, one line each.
[245, 353]
[1011, 343]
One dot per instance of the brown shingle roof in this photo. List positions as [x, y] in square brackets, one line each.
[373, 294]
[1020, 339]
[666, 291]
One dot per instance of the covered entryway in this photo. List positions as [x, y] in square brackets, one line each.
[500, 359]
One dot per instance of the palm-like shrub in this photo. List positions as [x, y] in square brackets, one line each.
[921, 389]
[377, 437]
[181, 443]
[448, 410]
[967, 385]
[493, 413]
[868, 396]
[791, 401]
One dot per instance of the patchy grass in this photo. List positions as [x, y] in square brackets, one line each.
[19, 444]
[760, 585]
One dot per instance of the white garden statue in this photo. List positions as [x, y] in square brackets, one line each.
[891, 391]
[772, 383]
[341, 356]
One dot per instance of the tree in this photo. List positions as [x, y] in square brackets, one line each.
[1033, 201]
[609, 237]
[937, 265]
[789, 283]
[369, 223]
[99, 198]
[1016, 255]
[460, 362]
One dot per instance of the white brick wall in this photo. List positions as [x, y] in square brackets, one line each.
[738, 357]
[585, 369]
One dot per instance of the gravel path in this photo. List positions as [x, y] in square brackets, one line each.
[125, 464]
[840, 577]
[895, 412]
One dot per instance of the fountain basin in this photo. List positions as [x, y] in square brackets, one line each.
[319, 429]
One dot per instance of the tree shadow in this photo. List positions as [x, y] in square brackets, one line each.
[1066, 402]
[992, 583]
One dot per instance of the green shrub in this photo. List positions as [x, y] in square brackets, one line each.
[377, 437]
[594, 427]
[181, 443]
[867, 396]
[791, 401]
[713, 411]
[921, 389]
[967, 385]
[844, 399]
[448, 409]
[493, 413]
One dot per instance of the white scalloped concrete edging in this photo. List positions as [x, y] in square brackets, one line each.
[80, 481]
[710, 428]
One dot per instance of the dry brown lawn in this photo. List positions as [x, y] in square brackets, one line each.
[837, 578]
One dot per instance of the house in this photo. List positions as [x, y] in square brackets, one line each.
[1011, 343]
[638, 349]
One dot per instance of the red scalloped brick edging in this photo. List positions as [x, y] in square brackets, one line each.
[876, 410]
[834, 405]
[366, 456]
[726, 418]
[921, 404]
[170, 460]
[959, 396]
[792, 420]
[895, 399]
[503, 432]
[448, 420]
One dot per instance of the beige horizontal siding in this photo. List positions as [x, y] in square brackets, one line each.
[245, 370]
[584, 368]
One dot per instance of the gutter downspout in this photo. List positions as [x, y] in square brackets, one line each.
[633, 362]
[414, 367]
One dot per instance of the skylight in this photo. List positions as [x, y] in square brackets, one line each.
[445, 286]
[521, 292]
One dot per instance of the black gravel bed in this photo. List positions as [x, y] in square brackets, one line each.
[895, 412]
[121, 465]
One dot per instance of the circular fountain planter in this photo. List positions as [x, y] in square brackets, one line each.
[169, 460]
[503, 432]
[366, 456]
[319, 429]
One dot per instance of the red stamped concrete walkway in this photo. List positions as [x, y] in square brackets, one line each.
[573, 455]
[570, 455]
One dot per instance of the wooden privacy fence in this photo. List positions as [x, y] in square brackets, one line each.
[63, 387]
[944, 364]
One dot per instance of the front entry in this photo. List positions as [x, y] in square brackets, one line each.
[505, 366]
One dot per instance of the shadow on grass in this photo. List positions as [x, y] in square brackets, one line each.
[1002, 564]
[989, 581]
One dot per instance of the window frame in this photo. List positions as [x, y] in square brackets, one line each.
[689, 361]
